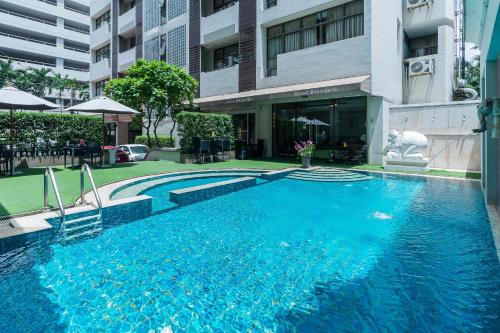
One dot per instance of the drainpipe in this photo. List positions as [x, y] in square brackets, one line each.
[490, 106]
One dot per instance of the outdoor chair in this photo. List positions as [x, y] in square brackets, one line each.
[258, 149]
[200, 149]
[224, 146]
[92, 152]
[360, 156]
[4, 160]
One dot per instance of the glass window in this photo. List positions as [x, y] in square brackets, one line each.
[102, 53]
[244, 127]
[271, 3]
[227, 56]
[103, 19]
[337, 23]
[177, 46]
[423, 46]
[176, 8]
[151, 49]
[99, 87]
[163, 12]
[163, 48]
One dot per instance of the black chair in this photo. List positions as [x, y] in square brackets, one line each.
[241, 149]
[92, 152]
[200, 149]
[224, 146]
[4, 160]
[258, 149]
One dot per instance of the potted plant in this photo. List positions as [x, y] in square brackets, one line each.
[305, 150]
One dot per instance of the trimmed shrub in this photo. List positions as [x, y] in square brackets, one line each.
[163, 141]
[205, 125]
[30, 126]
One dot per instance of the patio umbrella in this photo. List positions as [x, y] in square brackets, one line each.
[104, 106]
[11, 99]
[317, 123]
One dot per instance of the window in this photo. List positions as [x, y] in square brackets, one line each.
[163, 12]
[103, 19]
[271, 3]
[151, 49]
[163, 48]
[176, 8]
[337, 23]
[423, 46]
[152, 14]
[226, 56]
[244, 127]
[102, 53]
[223, 4]
[99, 87]
[177, 46]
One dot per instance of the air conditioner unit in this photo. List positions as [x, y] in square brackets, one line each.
[418, 3]
[421, 67]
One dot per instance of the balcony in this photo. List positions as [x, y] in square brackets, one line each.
[100, 37]
[220, 82]
[51, 8]
[100, 70]
[221, 25]
[418, 20]
[126, 59]
[126, 21]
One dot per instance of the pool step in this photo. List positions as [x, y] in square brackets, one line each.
[329, 175]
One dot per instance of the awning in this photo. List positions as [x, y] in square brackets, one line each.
[352, 84]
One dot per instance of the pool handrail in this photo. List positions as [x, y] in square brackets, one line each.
[49, 173]
[85, 167]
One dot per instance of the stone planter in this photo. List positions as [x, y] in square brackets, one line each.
[164, 154]
[306, 162]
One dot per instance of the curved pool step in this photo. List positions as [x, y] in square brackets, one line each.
[328, 175]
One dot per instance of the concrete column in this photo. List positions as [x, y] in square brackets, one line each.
[264, 127]
[490, 145]
[377, 128]
[60, 3]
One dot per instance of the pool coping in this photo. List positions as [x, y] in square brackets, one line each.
[494, 218]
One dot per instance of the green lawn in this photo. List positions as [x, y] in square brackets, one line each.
[24, 193]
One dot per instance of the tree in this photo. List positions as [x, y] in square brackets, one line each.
[60, 84]
[42, 82]
[154, 88]
[84, 92]
[72, 85]
[7, 72]
[473, 73]
[24, 81]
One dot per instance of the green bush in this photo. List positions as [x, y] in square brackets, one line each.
[163, 141]
[205, 125]
[29, 126]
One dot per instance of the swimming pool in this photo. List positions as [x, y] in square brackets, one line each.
[390, 254]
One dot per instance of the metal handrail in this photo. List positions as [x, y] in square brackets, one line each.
[76, 10]
[77, 30]
[28, 39]
[27, 61]
[50, 173]
[76, 49]
[28, 17]
[85, 167]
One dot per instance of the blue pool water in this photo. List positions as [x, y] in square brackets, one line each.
[385, 255]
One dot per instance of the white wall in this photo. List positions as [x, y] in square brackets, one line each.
[219, 82]
[448, 127]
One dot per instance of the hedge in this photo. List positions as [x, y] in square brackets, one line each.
[205, 125]
[163, 141]
[30, 126]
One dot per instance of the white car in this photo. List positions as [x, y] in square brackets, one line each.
[135, 152]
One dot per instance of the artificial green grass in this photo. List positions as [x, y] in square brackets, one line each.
[24, 193]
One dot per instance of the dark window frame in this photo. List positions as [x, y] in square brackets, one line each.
[271, 3]
[223, 4]
[322, 21]
[99, 87]
[106, 17]
[221, 56]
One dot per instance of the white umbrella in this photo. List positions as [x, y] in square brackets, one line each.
[317, 122]
[11, 99]
[103, 105]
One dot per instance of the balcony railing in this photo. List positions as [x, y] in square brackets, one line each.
[27, 39]
[27, 17]
[76, 49]
[86, 32]
[27, 61]
[50, 2]
[76, 10]
[86, 70]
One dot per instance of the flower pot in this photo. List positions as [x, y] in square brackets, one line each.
[306, 162]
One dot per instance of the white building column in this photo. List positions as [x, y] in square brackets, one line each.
[377, 128]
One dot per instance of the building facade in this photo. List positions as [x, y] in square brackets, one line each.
[482, 27]
[50, 34]
[291, 70]
[115, 44]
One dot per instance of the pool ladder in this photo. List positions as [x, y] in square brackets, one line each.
[80, 227]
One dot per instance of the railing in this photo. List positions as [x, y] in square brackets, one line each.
[85, 167]
[49, 173]
[76, 10]
[27, 39]
[28, 17]
[77, 30]
[86, 70]
[51, 2]
[27, 61]
[76, 49]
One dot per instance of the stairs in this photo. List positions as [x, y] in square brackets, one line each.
[329, 175]
[81, 227]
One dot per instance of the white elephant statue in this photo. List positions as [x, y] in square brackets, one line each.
[406, 149]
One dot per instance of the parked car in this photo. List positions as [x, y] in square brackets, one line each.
[135, 152]
[121, 156]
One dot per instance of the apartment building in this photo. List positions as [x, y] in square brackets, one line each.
[115, 44]
[290, 70]
[47, 34]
